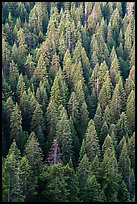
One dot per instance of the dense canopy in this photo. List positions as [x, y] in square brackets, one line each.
[68, 101]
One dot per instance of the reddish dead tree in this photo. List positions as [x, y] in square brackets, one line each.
[132, 72]
[54, 153]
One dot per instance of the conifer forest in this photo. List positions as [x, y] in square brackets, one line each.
[68, 101]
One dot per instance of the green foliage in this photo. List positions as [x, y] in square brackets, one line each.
[98, 119]
[104, 97]
[130, 110]
[68, 101]
[110, 176]
[108, 144]
[103, 133]
[129, 86]
[34, 154]
[90, 144]
[122, 126]
[55, 65]
[37, 124]
[22, 48]
[16, 124]
[124, 164]
[52, 117]
[40, 73]
[82, 173]
[116, 104]
[73, 108]
[20, 87]
[13, 75]
[131, 149]
[64, 135]
[54, 185]
[12, 182]
[30, 66]
[5, 55]
[25, 172]
[72, 182]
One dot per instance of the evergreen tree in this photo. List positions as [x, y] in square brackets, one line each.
[7, 92]
[59, 89]
[22, 48]
[122, 92]
[90, 144]
[54, 185]
[95, 168]
[103, 133]
[124, 164]
[73, 108]
[120, 145]
[37, 124]
[68, 87]
[64, 135]
[63, 87]
[46, 50]
[25, 110]
[110, 176]
[16, 124]
[9, 108]
[114, 68]
[13, 75]
[82, 173]
[34, 156]
[93, 103]
[13, 192]
[75, 141]
[116, 104]
[40, 73]
[102, 72]
[67, 64]
[104, 97]
[110, 40]
[113, 54]
[123, 194]
[55, 93]
[129, 86]
[84, 114]
[25, 171]
[107, 115]
[130, 110]
[98, 119]
[5, 55]
[72, 182]
[94, 79]
[30, 66]
[108, 144]
[122, 126]
[52, 117]
[42, 95]
[20, 87]
[93, 190]
[131, 150]
[55, 65]
[14, 53]
[124, 67]
[128, 39]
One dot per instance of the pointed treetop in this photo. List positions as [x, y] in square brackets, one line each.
[108, 144]
[54, 153]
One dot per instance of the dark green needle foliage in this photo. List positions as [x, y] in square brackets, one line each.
[68, 101]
